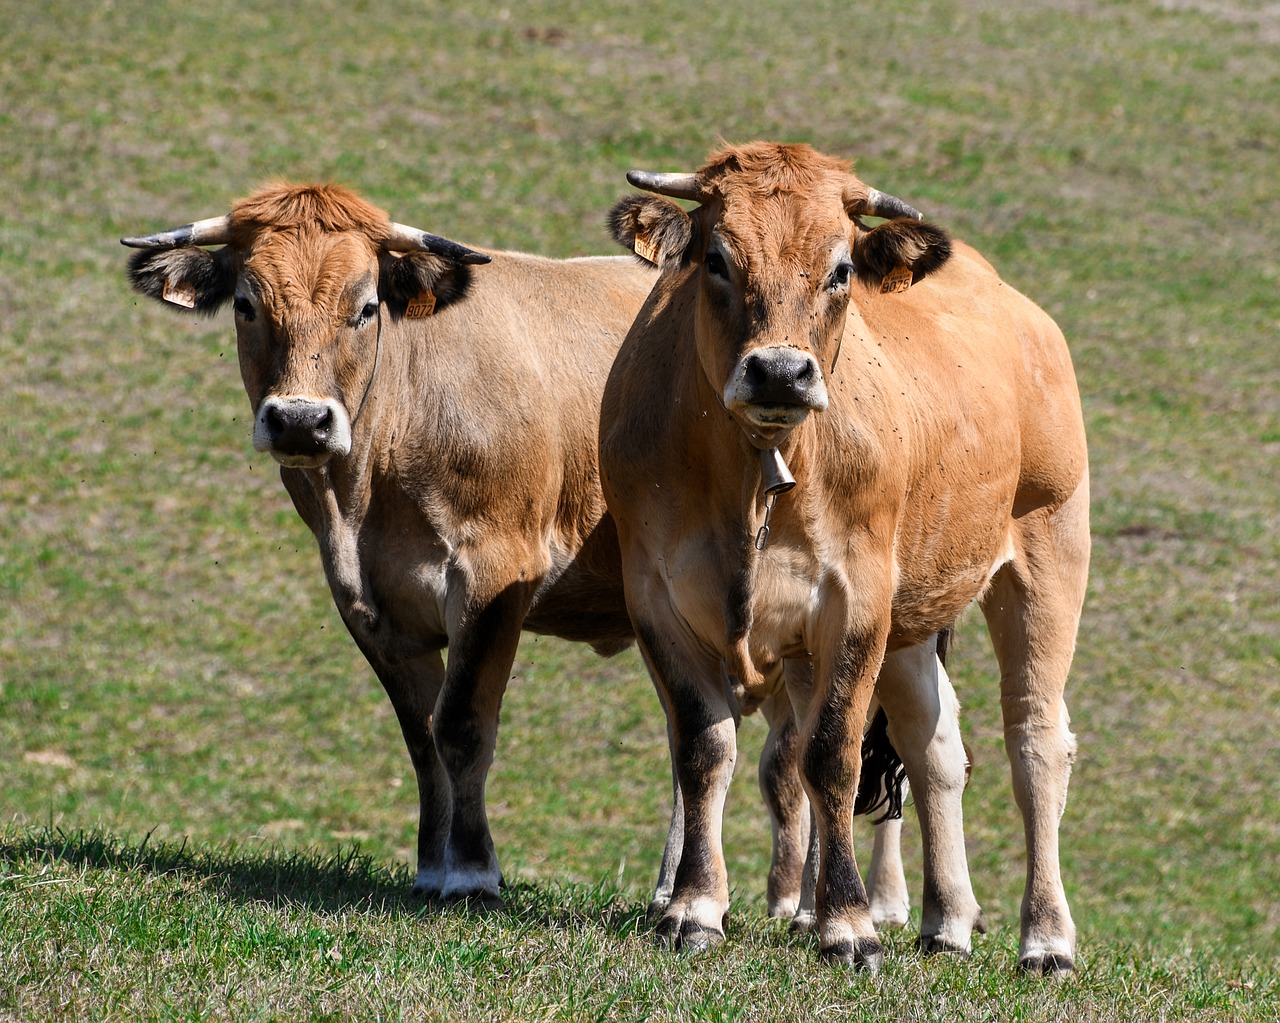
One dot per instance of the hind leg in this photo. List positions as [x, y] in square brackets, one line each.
[1033, 612]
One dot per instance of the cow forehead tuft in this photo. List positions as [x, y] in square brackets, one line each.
[330, 208]
[772, 168]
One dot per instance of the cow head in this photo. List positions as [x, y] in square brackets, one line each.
[312, 272]
[773, 251]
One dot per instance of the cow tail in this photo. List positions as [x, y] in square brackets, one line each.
[880, 784]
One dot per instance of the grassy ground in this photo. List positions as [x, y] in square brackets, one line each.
[205, 807]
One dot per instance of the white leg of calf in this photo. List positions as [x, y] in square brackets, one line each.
[886, 880]
[924, 726]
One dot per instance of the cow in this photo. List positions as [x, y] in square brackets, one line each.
[434, 412]
[931, 418]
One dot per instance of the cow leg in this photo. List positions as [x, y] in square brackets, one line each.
[1033, 612]
[675, 833]
[924, 726]
[788, 810]
[704, 742]
[831, 762]
[886, 879]
[788, 807]
[413, 687]
[482, 649]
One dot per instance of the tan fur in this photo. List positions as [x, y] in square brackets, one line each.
[949, 463]
[467, 504]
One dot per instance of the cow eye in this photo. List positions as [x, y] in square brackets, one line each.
[366, 314]
[243, 308]
[840, 275]
[716, 265]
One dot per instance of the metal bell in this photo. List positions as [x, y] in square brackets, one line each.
[777, 477]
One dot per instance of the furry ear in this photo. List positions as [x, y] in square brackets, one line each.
[919, 246]
[189, 278]
[655, 229]
[420, 284]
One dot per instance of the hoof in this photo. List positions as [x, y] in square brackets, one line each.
[656, 909]
[860, 953]
[427, 892]
[980, 922]
[935, 944]
[687, 936]
[476, 902]
[804, 921]
[1050, 965]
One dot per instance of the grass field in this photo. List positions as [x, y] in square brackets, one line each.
[206, 810]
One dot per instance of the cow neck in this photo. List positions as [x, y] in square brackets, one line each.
[775, 480]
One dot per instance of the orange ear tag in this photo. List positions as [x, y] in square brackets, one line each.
[422, 306]
[179, 293]
[645, 249]
[896, 280]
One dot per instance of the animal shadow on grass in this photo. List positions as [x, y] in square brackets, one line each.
[319, 881]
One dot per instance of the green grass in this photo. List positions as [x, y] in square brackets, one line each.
[206, 811]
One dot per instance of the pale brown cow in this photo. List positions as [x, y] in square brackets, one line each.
[434, 410]
[931, 417]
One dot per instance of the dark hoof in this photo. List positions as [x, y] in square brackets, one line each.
[933, 944]
[427, 892]
[476, 902]
[1051, 965]
[861, 954]
[688, 936]
[980, 924]
[803, 922]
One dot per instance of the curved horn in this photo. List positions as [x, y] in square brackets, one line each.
[214, 231]
[889, 206]
[678, 186]
[403, 238]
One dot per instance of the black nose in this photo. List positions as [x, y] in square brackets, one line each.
[780, 376]
[299, 428]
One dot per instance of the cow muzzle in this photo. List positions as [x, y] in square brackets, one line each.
[302, 433]
[773, 390]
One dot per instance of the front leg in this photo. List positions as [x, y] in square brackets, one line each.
[482, 648]
[704, 744]
[779, 777]
[413, 687]
[831, 762]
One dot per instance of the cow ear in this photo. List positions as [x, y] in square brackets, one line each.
[884, 252]
[419, 284]
[189, 278]
[655, 229]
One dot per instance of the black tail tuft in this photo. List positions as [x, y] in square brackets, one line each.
[880, 784]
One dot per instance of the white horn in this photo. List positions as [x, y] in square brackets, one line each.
[678, 186]
[213, 231]
[402, 238]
